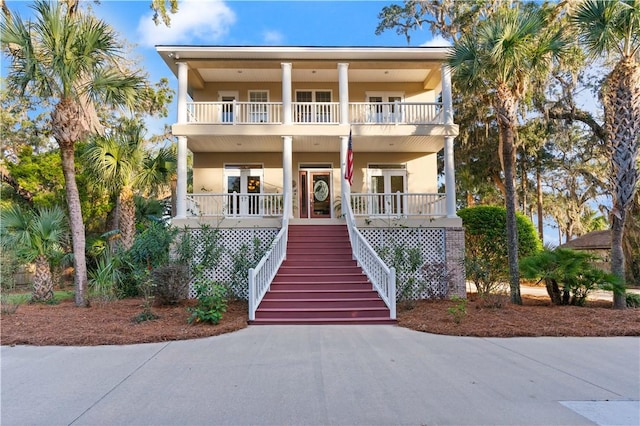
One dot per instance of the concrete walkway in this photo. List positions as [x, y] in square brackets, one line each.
[326, 375]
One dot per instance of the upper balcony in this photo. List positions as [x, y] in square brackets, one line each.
[306, 113]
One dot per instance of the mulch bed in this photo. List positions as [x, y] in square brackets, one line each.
[536, 317]
[112, 323]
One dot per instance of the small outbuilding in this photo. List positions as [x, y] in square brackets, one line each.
[597, 243]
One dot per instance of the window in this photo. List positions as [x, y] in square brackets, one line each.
[258, 108]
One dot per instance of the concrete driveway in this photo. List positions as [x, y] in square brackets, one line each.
[326, 375]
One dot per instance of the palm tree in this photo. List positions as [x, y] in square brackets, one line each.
[502, 57]
[121, 164]
[70, 58]
[37, 237]
[612, 28]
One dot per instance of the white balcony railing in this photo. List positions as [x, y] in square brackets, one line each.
[381, 276]
[314, 113]
[399, 204]
[395, 113]
[235, 205]
[234, 112]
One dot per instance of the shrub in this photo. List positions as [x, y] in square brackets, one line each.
[170, 283]
[150, 249]
[459, 310]
[633, 300]
[486, 245]
[212, 302]
[569, 275]
[243, 260]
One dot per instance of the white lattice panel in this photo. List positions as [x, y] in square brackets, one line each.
[430, 280]
[232, 240]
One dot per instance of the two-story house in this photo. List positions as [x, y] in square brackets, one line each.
[274, 130]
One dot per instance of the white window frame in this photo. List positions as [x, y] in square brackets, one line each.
[258, 110]
[314, 111]
[385, 113]
[228, 115]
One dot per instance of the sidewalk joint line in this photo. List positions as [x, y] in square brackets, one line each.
[120, 382]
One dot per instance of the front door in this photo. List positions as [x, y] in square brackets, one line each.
[315, 194]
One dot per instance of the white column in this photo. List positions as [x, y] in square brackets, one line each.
[181, 186]
[449, 163]
[345, 189]
[286, 93]
[447, 103]
[287, 180]
[343, 89]
[449, 176]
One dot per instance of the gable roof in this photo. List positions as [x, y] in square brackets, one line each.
[591, 241]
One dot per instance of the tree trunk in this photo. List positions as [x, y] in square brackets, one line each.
[622, 125]
[539, 202]
[127, 218]
[68, 126]
[506, 108]
[42, 281]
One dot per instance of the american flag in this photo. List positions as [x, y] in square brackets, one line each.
[348, 175]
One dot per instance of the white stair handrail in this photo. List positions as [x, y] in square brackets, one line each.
[381, 276]
[262, 275]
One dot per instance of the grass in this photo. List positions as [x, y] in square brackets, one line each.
[22, 298]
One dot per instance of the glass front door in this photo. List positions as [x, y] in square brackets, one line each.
[315, 194]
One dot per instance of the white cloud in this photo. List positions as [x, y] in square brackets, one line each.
[197, 21]
[437, 41]
[272, 37]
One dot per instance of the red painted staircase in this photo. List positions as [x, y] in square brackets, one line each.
[319, 283]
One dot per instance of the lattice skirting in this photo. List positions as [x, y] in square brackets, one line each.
[420, 256]
[232, 241]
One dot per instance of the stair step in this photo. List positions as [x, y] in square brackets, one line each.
[320, 278]
[371, 302]
[324, 321]
[320, 269]
[304, 313]
[337, 286]
[320, 294]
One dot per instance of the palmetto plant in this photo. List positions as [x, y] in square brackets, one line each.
[612, 28]
[69, 57]
[38, 237]
[502, 57]
[121, 163]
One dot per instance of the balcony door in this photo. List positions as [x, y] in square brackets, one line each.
[244, 184]
[384, 107]
[310, 108]
[387, 183]
[315, 194]
[227, 113]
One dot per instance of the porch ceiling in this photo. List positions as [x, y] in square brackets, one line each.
[263, 64]
[235, 143]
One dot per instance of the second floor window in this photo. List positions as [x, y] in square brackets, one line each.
[258, 108]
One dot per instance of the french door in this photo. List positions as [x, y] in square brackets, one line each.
[387, 184]
[315, 194]
[244, 187]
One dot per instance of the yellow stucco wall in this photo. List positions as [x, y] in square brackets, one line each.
[208, 171]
